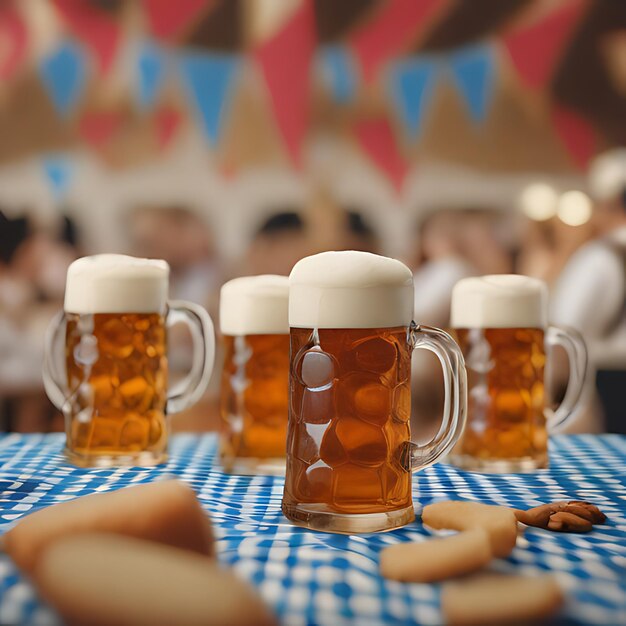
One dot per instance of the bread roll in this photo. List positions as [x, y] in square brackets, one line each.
[499, 521]
[108, 580]
[166, 511]
[495, 599]
[437, 559]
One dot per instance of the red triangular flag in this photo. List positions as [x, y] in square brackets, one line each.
[576, 134]
[168, 18]
[376, 138]
[98, 128]
[167, 121]
[13, 41]
[390, 31]
[534, 50]
[93, 27]
[285, 60]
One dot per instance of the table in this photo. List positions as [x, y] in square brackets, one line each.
[321, 578]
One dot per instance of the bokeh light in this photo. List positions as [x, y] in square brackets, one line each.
[574, 208]
[539, 201]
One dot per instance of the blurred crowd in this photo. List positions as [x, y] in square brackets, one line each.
[583, 263]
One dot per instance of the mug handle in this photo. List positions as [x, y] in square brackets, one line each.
[455, 393]
[191, 388]
[575, 348]
[53, 368]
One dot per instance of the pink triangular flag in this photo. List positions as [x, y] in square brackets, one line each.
[576, 134]
[534, 50]
[392, 29]
[377, 139]
[168, 18]
[98, 128]
[93, 27]
[167, 121]
[13, 41]
[285, 60]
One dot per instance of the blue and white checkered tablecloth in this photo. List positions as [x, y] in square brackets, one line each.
[320, 578]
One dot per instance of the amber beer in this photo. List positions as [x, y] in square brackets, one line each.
[112, 382]
[351, 404]
[349, 454]
[254, 397]
[500, 324]
[120, 400]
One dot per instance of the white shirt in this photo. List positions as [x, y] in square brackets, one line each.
[589, 296]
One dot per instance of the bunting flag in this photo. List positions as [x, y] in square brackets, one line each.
[63, 75]
[376, 138]
[151, 69]
[58, 170]
[95, 28]
[167, 120]
[534, 50]
[391, 31]
[576, 135]
[412, 84]
[167, 18]
[208, 79]
[285, 60]
[473, 71]
[339, 71]
[97, 128]
[13, 41]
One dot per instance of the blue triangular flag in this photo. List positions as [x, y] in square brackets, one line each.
[339, 71]
[58, 170]
[412, 84]
[208, 79]
[63, 74]
[473, 70]
[151, 66]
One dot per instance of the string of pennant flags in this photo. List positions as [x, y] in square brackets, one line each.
[289, 61]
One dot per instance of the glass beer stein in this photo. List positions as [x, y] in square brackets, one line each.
[349, 449]
[106, 368]
[500, 322]
[255, 387]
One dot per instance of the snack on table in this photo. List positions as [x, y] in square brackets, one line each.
[101, 580]
[437, 559]
[499, 522]
[574, 516]
[165, 511]
[500, 599]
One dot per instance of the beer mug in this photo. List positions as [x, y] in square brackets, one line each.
[349, 449]
[105, 365]
[500, 322]
[255, 388]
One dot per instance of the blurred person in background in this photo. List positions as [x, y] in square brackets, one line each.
[180, 236]
[280, 241]
[537, 251]
[483, 244]
[590, 294]
[34, 260]
[441, 266]
[359, 233]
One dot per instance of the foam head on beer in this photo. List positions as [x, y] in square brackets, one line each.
[115, 283]
[499, 301]
[255, 305]
[350, 289]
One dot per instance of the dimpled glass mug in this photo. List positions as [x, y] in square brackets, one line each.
[105, 365]
[349, 449]
[500, 322]
[255, 387]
